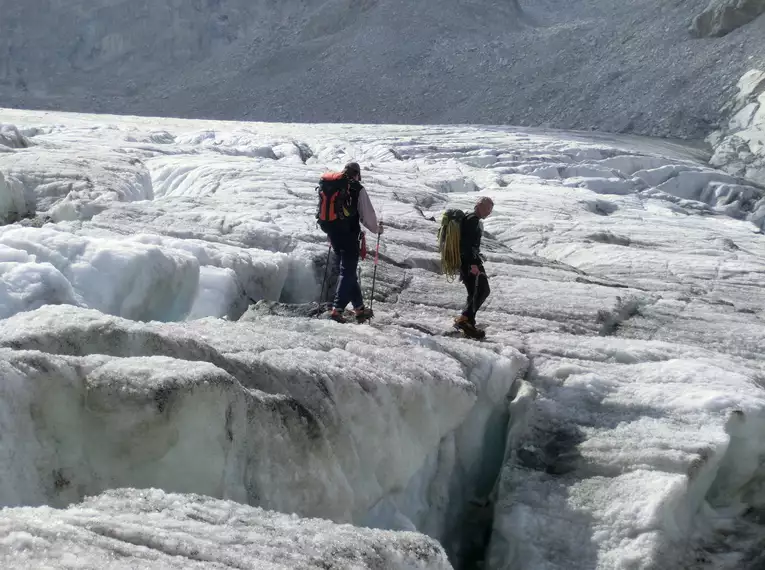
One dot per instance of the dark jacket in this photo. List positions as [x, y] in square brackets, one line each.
[353, 222]
[470, 243]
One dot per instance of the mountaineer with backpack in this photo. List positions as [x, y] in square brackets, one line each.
[459, 241]
[343, 206]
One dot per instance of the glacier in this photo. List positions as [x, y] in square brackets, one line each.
[151, 529]
[739, 145]
[158, 354]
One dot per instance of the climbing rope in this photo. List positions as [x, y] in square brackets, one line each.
[449, 246]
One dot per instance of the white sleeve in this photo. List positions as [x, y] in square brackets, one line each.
[367, 212]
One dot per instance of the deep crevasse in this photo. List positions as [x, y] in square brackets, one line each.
[104, 403]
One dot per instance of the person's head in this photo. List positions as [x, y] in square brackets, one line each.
[483, 207]
[353, 171]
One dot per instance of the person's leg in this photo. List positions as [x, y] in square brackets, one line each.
[362, 313]
[336, 240]
[481, 293]
[348, 265]
[469, 311]
[334, 275]
[357, 299]
[347, 282]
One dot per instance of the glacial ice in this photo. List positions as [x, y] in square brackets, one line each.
[131, 528]
[608, 421]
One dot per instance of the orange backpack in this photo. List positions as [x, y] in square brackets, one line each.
[335, 198]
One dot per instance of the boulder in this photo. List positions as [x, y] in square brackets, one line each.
[723, 16]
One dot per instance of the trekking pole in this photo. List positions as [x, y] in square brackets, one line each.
[324, 281]
[362, 255]
[374, 274]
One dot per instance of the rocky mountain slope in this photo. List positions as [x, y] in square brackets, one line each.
[594, 64]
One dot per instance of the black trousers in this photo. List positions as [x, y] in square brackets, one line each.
[477, 292]
[345, 245]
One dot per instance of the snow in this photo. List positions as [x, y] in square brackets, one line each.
[133, 528]
[609, 420]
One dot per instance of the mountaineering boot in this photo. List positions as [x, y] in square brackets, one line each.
[337, 316]
[467, 327]
[479, 334]
[463, 323]
[363, 314]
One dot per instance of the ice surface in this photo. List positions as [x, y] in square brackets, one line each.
[617, 393]
[740, 144]
[70, 182]
[452, 492]
[151, 529]
[287, 408]
[28, 284]
[620, 457]
[119, 277]
[10, 137]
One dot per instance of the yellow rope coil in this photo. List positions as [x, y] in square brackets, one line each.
[449, 246]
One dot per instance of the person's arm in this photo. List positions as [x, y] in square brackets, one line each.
[367, 212]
